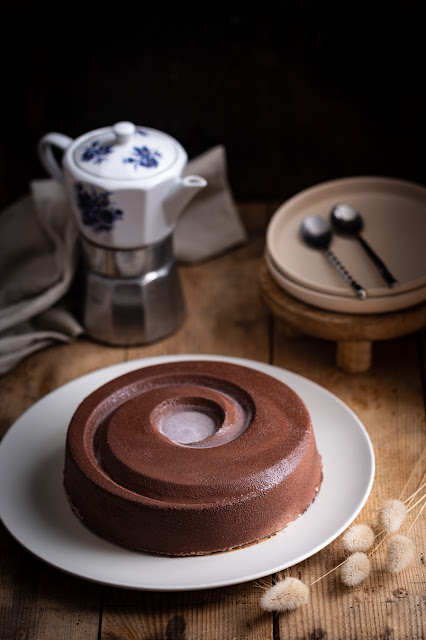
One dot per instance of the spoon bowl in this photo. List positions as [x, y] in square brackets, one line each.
[317, 234]
[346, 219]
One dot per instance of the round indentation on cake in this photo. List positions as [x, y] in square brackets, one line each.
[189, 420]
[137, 446]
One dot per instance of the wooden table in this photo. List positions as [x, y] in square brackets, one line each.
[227, 316]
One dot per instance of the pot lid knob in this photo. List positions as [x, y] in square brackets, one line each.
[124, 131]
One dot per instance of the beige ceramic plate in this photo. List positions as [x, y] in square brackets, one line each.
[330, 302]
[394, 214]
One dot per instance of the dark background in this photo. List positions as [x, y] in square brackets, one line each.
[297, 92]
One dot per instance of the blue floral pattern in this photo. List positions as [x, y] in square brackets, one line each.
[96, 152]
[97, 210]
[143, 157]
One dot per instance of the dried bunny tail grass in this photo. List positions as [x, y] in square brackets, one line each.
[355, 569]
[392, 515]
[410, 498]
[262, 583]
[417, 517]
[413, 472]
[359, 537]
[286, 595]
[400, 553]
[413, 506]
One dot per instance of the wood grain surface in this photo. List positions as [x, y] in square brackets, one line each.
[226, 315]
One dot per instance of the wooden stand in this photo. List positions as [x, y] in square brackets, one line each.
[354, 333]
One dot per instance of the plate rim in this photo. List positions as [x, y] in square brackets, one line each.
[372, 305]
[124, 367]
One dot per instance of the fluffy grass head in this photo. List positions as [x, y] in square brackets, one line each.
[400, 553]
[359, 537]
[355, 569]
[392, 515]
[286, 595]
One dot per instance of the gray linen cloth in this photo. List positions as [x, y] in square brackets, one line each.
[39, 249]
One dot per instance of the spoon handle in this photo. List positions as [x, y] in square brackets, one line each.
[360, 292]
[384, 271]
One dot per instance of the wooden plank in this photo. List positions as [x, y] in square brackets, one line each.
[225, 317]
[48, 369]
[389, 401]
[39, 601]
[28, 587]
[228, 612]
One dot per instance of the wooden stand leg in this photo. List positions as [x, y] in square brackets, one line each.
[289, 331]
[354, 356]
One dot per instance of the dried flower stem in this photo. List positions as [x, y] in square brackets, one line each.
[377, 535]
[327, 574]
[416, 503]
[287, 603]
[413, 472]
[380, 543]
[417, 516]
[422, 486]
[381, 532]
[388, 534]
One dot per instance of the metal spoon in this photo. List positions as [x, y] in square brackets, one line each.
[317, 234]
[346, 220]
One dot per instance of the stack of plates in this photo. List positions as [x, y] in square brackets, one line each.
[394, 214]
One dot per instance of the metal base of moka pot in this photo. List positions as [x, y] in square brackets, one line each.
[132, 296]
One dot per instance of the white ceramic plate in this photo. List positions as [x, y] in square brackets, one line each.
[35, 510]
[330, 302]
[394, 213]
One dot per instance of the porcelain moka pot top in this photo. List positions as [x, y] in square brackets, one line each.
[124, 182]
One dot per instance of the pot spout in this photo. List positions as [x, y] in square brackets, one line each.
[183, 192]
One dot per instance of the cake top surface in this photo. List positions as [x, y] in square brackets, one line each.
[193, 430]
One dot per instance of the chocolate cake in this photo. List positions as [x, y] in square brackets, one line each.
[191, 457]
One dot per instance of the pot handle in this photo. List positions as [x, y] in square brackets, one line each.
[47, 158]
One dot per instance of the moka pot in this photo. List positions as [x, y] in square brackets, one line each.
[126, 188]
